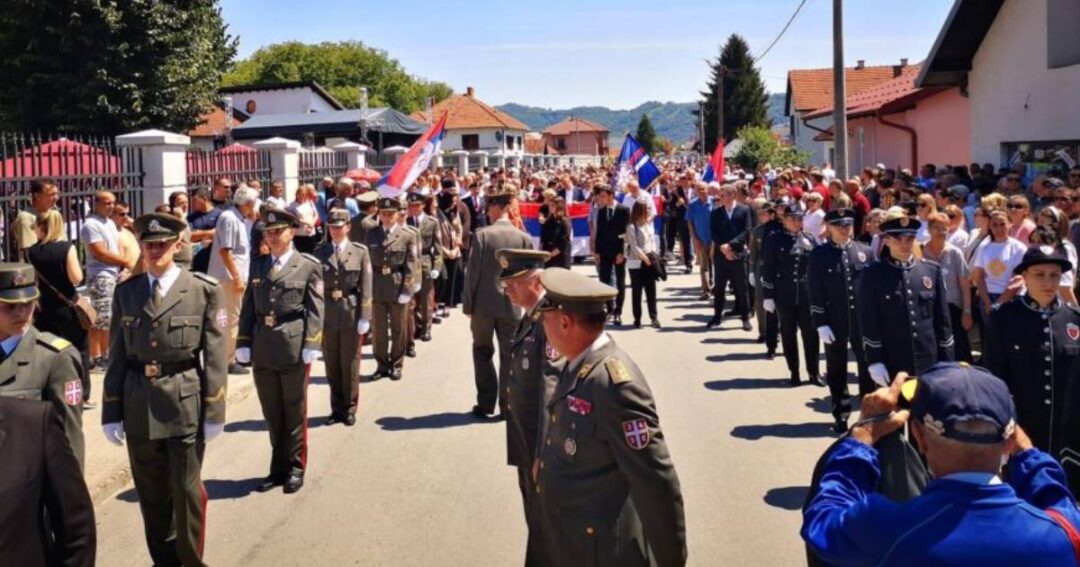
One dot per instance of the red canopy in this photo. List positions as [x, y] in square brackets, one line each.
[61, 158]
[363, 174]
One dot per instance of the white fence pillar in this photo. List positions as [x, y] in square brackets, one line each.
[355, 154]
[396, 151]
[284, 163]
[163, 163]
[462, 161]
[483, 155]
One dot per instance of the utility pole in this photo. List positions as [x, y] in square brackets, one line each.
[720, 107]
[701, 130]
[839, 93]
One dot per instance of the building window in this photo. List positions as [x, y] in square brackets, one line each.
[1054, 158]
[510, 142]
[470, 142]
[560, 143]
[1062, 33]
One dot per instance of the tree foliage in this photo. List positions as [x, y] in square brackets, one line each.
[341, 67]
[745, 99]
[761, 146]
[646, 135]
[110, 67]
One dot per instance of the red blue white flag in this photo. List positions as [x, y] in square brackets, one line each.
[413, 163]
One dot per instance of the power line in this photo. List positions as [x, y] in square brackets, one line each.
[781, 34]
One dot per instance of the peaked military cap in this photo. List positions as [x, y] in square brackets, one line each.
[415, 197]
[338, 217]
[1043, 254]
[768, 207]
[502, 192]
[793, 210]
[158, 227]
[367, 198]
[517, 261]
[899, 226]
[17, 283]
[574, 292]
[277, 218]
[950, 393]
[842, 217]
[389, 204]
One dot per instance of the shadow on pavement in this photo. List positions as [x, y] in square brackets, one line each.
[735, 356]
[806, 430]
[731, 341]
[747, 384]
[313, 422]
[787, 497]
[820, 405]
[433, 421]
[224, 489]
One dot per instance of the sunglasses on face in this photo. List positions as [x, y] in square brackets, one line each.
[1015, 206]
[1012, 179]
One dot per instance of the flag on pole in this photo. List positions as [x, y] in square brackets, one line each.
[714, 171]
[416, 160]
[633, 160]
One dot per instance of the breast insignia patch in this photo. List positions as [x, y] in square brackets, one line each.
[617, 370]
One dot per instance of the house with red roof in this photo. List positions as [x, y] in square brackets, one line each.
[899, 124]
[576, 136]
[473, 125]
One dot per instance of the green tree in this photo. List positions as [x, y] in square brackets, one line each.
[745, 99]
[110, 67]
[761, 146]
[342, 67]
[645, 135]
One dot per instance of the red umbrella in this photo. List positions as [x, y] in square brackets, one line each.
[363, 174]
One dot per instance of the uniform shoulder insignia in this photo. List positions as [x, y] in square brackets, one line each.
[310, 258]
[54, 342]
[617, 371]
[208, 279]
[359, 245]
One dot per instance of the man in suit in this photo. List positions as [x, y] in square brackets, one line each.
[281, 327]
[393, 277]
[46, 516]
[473, 206]
[485, 303]
[730, 225]
[165, 388]
[606, 241]
[347, 314]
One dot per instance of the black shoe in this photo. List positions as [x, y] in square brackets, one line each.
[839, 426]
[267, 484]
[426, 336]
[816, 380]
[769, 355]
[795, 379]
[637, 324]
[759, 340]
[333, 419]
[88, 405]
[617, 320]
[730, 313]
[746, 326]
[349, 420]
[712, 322]
[480, 414]
[237, 369]
[294, 483]
[410, 351]
[689, 270]
[395, 374]
[705, 296]
[436, 320]
[655, 323]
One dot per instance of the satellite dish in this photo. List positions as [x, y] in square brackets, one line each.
[498, 136]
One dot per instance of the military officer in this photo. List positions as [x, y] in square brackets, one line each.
[393, 264]
[605, 484]
[768, 224]
[410, 308]
[533, 373]
[165, 387]
[368, 217]
[36, 365]
[831, 275]
[347, 315]
[430, 262]
[783, 282]
[1034, 346]
[281, 327]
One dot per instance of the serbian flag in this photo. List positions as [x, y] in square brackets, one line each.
[714, 171]
[634, 161]
[416, 160]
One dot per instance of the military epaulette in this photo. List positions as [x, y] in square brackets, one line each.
[53, 342]
[208, 279]
[310, 257]
[358, 245]
[617, 371]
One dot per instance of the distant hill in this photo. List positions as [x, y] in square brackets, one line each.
[672, 120]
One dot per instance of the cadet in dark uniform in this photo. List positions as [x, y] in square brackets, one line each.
[606, 487]
[281, 327]
[368, 217]
[783, 282]
[165, 388]
[393, 261]
[533, 374]
[347, 315]
[430, 262]
[768, 326]
[36, 365]
[831, 275]
[1034, 346]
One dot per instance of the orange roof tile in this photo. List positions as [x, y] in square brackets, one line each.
[812, 89]
[467, 111]
[882, 95]
[572, 124]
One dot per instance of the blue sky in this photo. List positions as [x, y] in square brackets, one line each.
[563, 53]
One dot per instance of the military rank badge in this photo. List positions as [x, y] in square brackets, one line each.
[550, 352]
[578, 405]
[927, 282]
[636, 432]
[319, 287]
[221, 319]
[1073, 332]
[570, 446]
[73, 392]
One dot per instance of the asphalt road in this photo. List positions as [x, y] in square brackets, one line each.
[418, 482]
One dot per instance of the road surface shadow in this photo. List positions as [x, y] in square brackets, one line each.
[731, 340]
[433, 421]
[808, 430]
[747, 384]
[225, 489]
[313, 422]
[787, 497]
[820, 405]
[735, 356]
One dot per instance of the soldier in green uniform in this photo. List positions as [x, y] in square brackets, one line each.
[368, 217]
[533, 372]
[430, 261]
[347, 315]
[605, 483]
[410, 308]
[281, 323]
[165, 388]
[36, 365]
[393, 267]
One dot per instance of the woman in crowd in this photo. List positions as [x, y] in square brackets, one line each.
[955, 272]
[555, 235]
[59, 271]
[1053, 230]
[814, 219]
[303, 206]
[1021, 224]
[924, 207]
[872, 227]
[958, 237]
[641, 253]
[994, 262]
[450, 246]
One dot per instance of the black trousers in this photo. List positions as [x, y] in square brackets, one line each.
[796, 319]
[613, 275]
[444, 286]
[642, 279]
[962, 348]
[836, 365]
[676, 229]
[733, 271]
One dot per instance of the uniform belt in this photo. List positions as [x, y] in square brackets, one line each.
[339, 294]
[279, 319]
[154, 370]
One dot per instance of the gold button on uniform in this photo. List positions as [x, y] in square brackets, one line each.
[589, 530]
[153, 343]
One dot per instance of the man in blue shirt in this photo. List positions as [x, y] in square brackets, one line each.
[697, 218]
[965, 423]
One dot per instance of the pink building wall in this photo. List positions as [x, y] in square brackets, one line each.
[942, 123]
[581, 143]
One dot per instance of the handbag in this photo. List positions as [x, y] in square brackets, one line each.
[658, 268]
[84, 310]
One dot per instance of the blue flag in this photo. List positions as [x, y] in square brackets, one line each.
[633, 160]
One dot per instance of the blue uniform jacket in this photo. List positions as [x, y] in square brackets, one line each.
[952, 523]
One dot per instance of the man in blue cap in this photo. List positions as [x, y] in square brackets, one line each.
[964, 421]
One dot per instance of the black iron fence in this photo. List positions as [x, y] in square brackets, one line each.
[237, 163]
[319, 163]
[80, 165]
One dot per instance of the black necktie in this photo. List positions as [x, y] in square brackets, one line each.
[155, 294]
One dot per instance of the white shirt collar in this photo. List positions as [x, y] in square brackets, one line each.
[11, 343]
[600, 341]
[166, 280]
[283, 259]
[339, 248]
[985, 478]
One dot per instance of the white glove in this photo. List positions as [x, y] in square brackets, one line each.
[243, 355]
[434, 274]
[769, 305]
[417, 287]
[751, 276]
[879, 374]
[362, 326]
[403, 298]
[212, 430]
[114, 432]
[310, 355]
[826, 334]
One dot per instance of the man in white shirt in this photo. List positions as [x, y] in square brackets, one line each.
[634, 194]
[103, 265]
